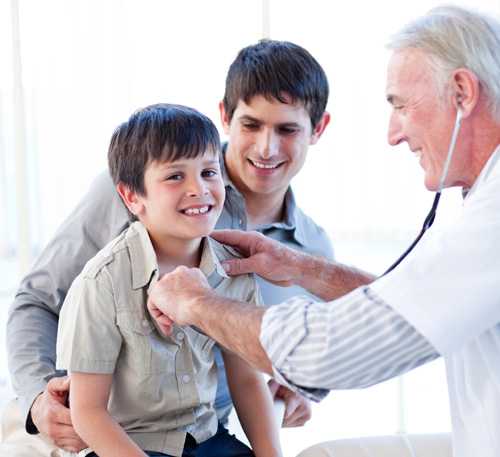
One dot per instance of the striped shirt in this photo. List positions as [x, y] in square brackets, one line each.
[353, 342]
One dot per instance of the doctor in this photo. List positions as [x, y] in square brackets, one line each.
[444, 297]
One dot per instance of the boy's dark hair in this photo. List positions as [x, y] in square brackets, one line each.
[161, 132]
[275, 69]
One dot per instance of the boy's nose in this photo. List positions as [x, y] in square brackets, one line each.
[196, 188]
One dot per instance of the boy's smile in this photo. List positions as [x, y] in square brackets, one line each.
[183, 199]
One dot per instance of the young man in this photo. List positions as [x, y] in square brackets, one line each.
[135, 391]
[271, 118]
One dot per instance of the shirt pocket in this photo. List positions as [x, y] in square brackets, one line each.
[144, 349]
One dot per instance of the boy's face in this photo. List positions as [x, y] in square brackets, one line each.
[183, 199]
[268, 142]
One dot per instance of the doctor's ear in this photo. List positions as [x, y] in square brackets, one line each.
[466, 90]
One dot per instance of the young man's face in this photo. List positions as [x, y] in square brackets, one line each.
[183, 199]
[268, 142]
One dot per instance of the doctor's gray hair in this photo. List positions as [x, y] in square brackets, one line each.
[455, 37]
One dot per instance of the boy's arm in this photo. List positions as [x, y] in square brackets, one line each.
[89, 396]
[254, 406]
[33, 317]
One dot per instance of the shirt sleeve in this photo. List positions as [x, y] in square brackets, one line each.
[33, 316]
[89, 340]
[353, 342]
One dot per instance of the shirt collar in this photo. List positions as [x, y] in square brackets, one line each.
[491, 164]
[144, 264]
[291, 220]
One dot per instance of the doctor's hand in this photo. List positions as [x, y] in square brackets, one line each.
[266, 257]
[173, 297]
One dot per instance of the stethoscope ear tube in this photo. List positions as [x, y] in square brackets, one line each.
[429, 220]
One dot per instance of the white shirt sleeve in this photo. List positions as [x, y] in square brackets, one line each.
[352, 342]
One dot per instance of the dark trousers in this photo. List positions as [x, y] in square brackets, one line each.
[222, 444]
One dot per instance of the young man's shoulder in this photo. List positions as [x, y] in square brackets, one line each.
[313, 237]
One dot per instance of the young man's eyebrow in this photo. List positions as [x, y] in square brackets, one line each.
[247, 117]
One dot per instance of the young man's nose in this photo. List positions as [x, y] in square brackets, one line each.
[268, 144]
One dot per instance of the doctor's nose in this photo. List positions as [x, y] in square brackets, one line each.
[267, 144]
[395, 134]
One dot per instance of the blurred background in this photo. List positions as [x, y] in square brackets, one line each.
[73, 70]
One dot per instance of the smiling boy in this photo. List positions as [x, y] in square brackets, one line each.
[273, 109]
[134, 391]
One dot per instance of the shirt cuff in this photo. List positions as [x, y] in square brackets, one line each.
[283, 328]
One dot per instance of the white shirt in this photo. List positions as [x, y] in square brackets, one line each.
[444, 298]
[449, 290]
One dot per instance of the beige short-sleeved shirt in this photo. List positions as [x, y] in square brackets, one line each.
[163, 387]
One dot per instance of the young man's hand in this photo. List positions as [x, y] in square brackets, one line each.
[266, 257]
[297, 408]
[53, 419]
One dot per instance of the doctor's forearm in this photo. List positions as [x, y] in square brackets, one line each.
[234, 325]
[328, 280]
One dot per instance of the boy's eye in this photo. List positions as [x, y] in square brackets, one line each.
[174, 177]
[208, 173]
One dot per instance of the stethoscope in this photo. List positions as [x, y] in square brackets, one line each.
[432, 213]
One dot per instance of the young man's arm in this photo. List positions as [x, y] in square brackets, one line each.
[89, 396]
[33, 317]
[254, 406]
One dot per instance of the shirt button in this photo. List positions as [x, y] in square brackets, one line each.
[240, 222]
[145, 323]
[179, 336]
[186, 378]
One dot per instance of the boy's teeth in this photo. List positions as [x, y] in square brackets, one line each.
[201, 210]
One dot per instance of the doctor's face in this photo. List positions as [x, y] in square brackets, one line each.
[420, 116]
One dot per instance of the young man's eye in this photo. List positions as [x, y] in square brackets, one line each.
[287, 130]
[250, 126]
[174, 177]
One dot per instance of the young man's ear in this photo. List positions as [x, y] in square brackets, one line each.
[130, 198]
[224, 118]
[320, 128]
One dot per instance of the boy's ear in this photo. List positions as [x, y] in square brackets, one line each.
[130, 198]
[320, 128]
[224, 118]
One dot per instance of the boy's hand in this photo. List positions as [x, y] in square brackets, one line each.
[297, 408]
[173, 297]
[53, 419]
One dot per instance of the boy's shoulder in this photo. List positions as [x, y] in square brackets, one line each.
[106, 256]
[223, 251]
[243, 287]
